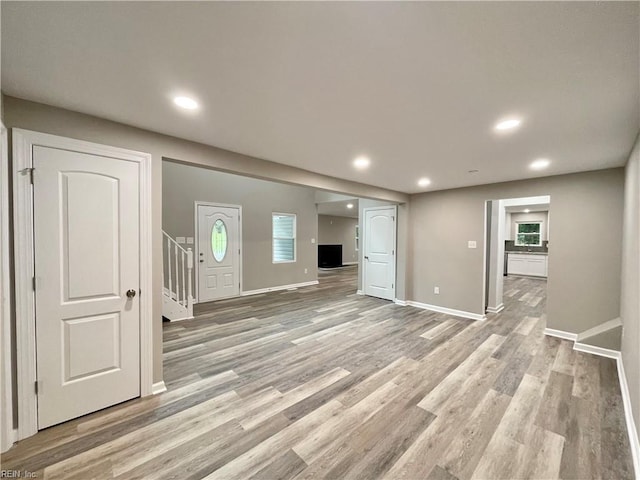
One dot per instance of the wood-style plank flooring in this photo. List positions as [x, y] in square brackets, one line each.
[322, 383]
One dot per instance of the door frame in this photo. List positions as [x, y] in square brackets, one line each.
[23, 216]
[363, 234]
[196, 242]
[6, 409]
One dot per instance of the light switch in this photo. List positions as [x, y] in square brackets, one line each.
[180, 239]
[472, 244]
[189, 240]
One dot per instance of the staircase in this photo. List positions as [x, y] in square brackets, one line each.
[177, 290]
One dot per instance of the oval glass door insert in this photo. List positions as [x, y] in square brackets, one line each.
[219, 240]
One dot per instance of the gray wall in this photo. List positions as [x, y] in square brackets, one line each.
[183, 185]
[630, 296]
[339, 230]
[528, 217]
[584, 271]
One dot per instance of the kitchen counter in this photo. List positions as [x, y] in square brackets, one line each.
[527, 253]
[533, 264]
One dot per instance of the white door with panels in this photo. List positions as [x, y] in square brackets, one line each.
[379, 262]
[87, 280]
[218, 251]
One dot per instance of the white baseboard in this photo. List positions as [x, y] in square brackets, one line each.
[497, 309]
[402, 303]
[278, 288]
[448, 311]
[360, 292]
[602, 352]
[181, 319]
[349, 263]
[12, 435]
[158, 387]
[561, 334]
[628, 414]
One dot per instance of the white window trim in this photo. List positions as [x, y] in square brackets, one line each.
[23, 143]
[295, 237]
[518, 223]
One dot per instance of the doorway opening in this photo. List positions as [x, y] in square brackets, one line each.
[517, 251]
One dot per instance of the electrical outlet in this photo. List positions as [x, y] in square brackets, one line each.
[306, 270]
[472, 244]
[313, 240]
[436, 290]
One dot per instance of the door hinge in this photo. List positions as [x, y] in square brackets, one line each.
[393, 218]
[29, 171]
[38, 386]
[33, 283]
[393, 252]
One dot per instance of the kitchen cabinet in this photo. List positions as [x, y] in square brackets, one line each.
[534, 265]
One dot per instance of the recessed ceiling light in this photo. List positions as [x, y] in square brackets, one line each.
[361, 162]
[540, 164]
[186, 103]
[349, 205]
[526, 210]
[424, 182]
[508, 124]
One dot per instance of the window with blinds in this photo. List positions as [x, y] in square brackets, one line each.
[284, 237]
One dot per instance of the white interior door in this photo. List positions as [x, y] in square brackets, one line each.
[86, 224]
[218, 252]
[379, 272]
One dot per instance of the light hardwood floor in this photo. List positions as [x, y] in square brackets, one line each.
[323, 383]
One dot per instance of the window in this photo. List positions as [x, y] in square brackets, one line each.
[528, 233]
[284, 237]
[219, 240]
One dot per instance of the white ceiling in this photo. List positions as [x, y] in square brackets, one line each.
[415, 86]
[339, 208]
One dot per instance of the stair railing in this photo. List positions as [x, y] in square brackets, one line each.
[178, 270]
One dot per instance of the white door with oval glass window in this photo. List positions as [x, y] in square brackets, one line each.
[218, 251]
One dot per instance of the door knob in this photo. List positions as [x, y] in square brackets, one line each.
[366, 258]
[131, 293]
[201, 261]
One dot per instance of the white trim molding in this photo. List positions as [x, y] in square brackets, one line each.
[7, 433]
[628, 414]
[158, 387]
[601, 352]
[23, 143]
[448, 311]
[402, 303]
[359, 292]
[278, 288]
[497, 309]
[561, 334]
